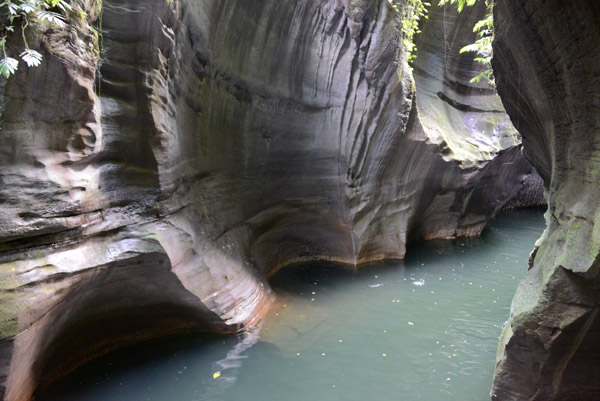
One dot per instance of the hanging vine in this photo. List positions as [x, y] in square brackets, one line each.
[412, 12]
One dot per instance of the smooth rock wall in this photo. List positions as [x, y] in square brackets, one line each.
[467, 121]
[547, 64]
[151, 189]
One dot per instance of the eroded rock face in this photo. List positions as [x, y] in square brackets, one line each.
[220, 140]
[467, 120]
[547, 63]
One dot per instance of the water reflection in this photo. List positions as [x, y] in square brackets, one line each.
[227, 369]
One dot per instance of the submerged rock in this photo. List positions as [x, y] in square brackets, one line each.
[151, 187]
[547, 63]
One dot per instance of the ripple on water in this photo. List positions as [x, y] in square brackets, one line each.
[423, 329]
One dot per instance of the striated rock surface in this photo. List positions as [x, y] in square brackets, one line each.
[152, 187]
[468, 122]
[547, 63]
[467, 117]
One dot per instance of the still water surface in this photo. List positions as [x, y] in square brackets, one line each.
[425, 329]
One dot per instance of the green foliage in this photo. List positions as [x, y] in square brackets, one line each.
[412, 12]
[460, 4]
[19, 13]
[482, 47]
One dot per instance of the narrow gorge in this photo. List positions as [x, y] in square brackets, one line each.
[167, 159]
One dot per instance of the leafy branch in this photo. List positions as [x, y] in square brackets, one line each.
[460, 4]
[21, 12]
[482, 47]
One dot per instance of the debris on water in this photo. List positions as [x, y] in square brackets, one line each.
[216, 375]
[411, 324]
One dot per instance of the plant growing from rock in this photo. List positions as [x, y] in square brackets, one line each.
[412, 11]
[482, 47]
[19, 13]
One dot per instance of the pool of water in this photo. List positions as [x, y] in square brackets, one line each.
[425, 329]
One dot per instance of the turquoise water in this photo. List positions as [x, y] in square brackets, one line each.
[425, 329]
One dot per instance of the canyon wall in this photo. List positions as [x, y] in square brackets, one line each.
[152, 178]
[547, 64]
